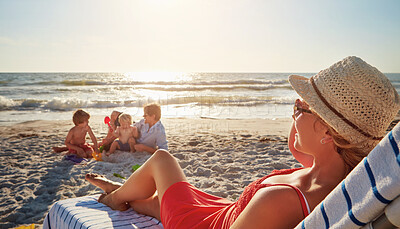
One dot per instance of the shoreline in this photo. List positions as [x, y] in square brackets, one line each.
[252, 125]
[220, 157]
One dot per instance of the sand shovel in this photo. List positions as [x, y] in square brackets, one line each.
[107, 121]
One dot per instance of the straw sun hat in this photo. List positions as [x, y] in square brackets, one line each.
[354, 98]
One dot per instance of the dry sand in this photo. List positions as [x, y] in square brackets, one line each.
[220, 157]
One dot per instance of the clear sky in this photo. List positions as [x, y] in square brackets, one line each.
[196, 35]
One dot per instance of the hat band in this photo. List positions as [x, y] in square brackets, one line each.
[340, 115]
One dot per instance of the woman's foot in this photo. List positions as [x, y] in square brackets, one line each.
[107, 199]
[102, 182]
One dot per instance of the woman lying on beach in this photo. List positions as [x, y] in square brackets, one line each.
[343, 114]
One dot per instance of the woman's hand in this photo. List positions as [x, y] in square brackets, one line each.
[144, 148]
[140, 147]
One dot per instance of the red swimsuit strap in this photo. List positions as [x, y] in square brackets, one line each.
[303, 201]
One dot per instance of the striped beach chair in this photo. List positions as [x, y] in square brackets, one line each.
[369, 197]
[85, 212]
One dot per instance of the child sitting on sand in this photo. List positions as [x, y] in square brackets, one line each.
[76, 138]
[126, 135]
[107, 141]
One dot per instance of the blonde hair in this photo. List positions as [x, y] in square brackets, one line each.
[352, 154]
[125, 118]
[153, 109]
[80, 116]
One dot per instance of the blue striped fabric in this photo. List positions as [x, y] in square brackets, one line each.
[350, 206]
[373, 183]
[365, 192]
[324, 215]
[395, 147]
[86, 212]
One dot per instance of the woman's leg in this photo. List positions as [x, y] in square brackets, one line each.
[102, 182]
[114, 146]
[150, 206]
[157, 174]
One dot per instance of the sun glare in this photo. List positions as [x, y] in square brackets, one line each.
[155, 76]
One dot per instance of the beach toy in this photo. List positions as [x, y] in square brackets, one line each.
[107, 121]
[97, 156]
[135, 167]
[32, 226]
[74, 158]
[118, 175]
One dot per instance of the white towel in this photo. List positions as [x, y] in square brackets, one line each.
[86, 212]
[365, 192]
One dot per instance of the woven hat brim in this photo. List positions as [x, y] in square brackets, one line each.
[305, 90]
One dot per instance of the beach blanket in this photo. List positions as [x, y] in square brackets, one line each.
[365, 192]
[86, 212]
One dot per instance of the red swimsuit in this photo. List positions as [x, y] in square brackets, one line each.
[86, 147]
[184, 206]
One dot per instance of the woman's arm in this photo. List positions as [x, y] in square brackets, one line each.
[134, 132]
[271, 207]
[161, 143]
[109, 138]
[144, 148]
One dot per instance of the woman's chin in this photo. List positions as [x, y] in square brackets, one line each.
[297, 146]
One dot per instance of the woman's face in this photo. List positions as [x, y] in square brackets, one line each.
[309, 130]
[114, 119]
[149, 118]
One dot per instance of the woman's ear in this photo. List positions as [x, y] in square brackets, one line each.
[327, 138]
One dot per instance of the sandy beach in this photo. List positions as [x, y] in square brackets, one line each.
[220, 157]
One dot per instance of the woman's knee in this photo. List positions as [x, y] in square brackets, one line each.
[163, 154]
[163, 157]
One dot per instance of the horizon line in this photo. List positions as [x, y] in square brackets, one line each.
[122, 72]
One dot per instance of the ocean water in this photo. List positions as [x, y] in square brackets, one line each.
[54, 96]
